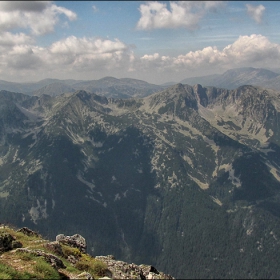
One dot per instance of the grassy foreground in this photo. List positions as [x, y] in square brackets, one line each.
[24, 262]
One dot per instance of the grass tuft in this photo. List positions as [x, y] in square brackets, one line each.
[45, 270]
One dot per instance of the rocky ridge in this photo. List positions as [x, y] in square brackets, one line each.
[67, 256]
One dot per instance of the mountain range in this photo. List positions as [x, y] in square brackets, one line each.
[234, 78]
[108, 86]
[132, 88]
[186, 179]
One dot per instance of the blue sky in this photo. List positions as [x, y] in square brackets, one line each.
[157, 41]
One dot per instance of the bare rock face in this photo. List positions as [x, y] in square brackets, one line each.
[123, 270]
[75, 240]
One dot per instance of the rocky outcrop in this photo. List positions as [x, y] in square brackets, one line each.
[28, 232]
[123, 270]
[50, 258]
[72, 248]
[76, 241]
[8, 242]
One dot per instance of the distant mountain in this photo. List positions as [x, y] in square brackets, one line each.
[118, 88]
[186, 179]
[203, 80]
[237, 77]
[108, 86]
[54, 89]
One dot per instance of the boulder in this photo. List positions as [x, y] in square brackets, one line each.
[75, 240]
[8, 242]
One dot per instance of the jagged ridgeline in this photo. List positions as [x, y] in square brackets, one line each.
[186, 179]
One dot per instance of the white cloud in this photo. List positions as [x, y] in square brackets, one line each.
[91, 58]
[69, 56]
[8, 39]
[150, 57]
[256, 12]
[185, 14]
[254, 50]
[39, 16]
[23, 57]
[74, 45]
[87, 53]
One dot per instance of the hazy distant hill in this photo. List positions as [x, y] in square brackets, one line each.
[108, 86]
[237, 77]
[54, 89]
[118, 88]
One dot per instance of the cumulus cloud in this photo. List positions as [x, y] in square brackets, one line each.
[38, 16]
[71, 55]
[89, 53]
[8, 39]
[254, 50]
[77, 58]
[256, 12]
[85, 45]
[186, 14]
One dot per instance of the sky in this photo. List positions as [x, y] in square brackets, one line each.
[155, 41]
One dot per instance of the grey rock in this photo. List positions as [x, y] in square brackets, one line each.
[72, 259]
[123, 270]
[75, 240]
[60, 237]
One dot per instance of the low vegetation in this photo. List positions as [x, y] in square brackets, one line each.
[25, 263]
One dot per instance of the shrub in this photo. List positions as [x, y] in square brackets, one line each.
[99, 268]
[67, 251]
[93, 266]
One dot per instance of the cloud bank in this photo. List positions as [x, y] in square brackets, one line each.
[22, 59]
[185, 14]
[87, 57]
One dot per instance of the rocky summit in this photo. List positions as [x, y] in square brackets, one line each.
[186, 179]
